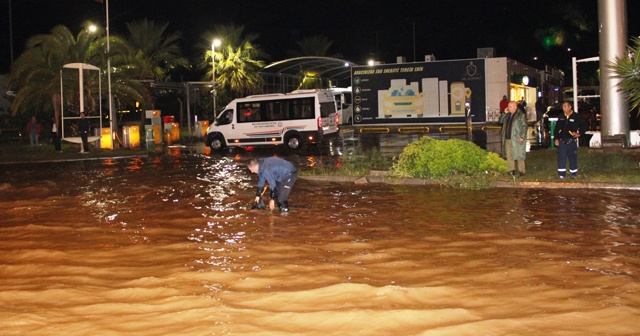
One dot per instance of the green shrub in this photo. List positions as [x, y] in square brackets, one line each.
[438, 159]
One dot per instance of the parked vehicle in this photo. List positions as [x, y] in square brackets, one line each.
[293, 119]
[344, 104]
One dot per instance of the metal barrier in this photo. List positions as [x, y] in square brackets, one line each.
[375, 130]
[416, 129]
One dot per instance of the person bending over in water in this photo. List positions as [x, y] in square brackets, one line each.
[280, 174]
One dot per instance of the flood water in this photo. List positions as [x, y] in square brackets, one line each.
[168, 245]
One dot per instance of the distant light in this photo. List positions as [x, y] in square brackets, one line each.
[371, 62]
[93, 28]
[535, 58]
[568, 49]
[346, 64]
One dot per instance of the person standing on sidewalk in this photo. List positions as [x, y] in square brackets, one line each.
[514, 136]
[83, 129]
[33, 129]
[504, 103]
[569, 128]
[55, 135]
[280, 174]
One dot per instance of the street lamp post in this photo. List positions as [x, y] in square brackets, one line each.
[112, 115]
[215, 43]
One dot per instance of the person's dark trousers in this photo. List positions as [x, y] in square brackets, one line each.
[567, 151]
[85, 141]
[284, 188]
[56, 141]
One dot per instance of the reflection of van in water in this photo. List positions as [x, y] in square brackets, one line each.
[344, 104]
[293, 119]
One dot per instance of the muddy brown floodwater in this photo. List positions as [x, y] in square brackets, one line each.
[168, 245]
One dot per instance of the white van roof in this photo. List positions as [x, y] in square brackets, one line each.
[308, 91]
[265, 95]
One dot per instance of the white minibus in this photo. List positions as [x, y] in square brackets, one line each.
[296, 118]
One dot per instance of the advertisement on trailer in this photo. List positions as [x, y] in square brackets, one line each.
[439, 91]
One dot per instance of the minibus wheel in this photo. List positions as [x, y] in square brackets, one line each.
[294, 141]
[217, 143]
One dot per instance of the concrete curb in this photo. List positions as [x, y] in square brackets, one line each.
[566, 185]
[496, 184]
[76, 159]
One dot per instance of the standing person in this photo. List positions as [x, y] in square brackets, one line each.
[514, 135]
[55, 136]
[83, 129]
[522, 104]
[33, 129]
[540, 110]
[569, 128]
[280, 174]
[504, 103]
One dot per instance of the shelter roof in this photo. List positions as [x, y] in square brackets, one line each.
[325, 67]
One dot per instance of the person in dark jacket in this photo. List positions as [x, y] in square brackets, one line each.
[83, 129]
[279, 174]
[569, 128]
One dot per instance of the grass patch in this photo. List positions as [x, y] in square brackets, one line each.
[353, 163]
[594, 165]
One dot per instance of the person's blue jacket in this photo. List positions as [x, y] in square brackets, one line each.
[273, 170]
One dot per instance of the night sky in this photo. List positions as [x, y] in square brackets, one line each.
[360, 29]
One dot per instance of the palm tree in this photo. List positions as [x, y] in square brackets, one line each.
[238, 70]
[237, 62]
[35, 76]
[627, 69]
[312, 46]
[316, 45]
[157, 51]
[154, 53]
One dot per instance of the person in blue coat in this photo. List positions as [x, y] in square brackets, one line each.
[279, 174]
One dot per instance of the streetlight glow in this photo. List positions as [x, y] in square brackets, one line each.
[215, 43]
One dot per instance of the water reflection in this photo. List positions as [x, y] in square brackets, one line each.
[169, 245]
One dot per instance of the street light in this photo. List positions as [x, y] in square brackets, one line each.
[215, 43]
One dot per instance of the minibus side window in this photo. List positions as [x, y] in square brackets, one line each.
[303, 108]
[249, 112]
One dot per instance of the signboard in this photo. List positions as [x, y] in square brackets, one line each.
[422, 92]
